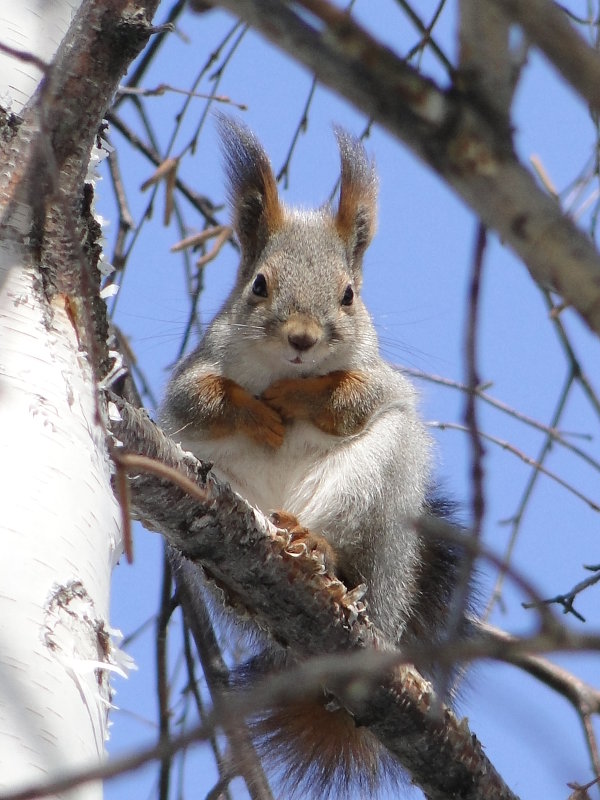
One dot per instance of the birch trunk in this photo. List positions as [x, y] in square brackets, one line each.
[60, 536]
[59, 525]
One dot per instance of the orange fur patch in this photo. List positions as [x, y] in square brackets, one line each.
[273, 213]
[231, 409]
[329, 401]
[320, 750]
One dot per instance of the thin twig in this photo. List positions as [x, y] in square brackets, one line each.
[465, 570]
[517, 518]
[301, 127]
[225, 774]
[584, 698]
[154, 45]
[555, 434]
[25, 56]
[537, 465]
[473, 381]
[126, 221]
[571, 356]
[566, 600]
[162, 678]
[200, 202]
[427, 39]
[245, 760]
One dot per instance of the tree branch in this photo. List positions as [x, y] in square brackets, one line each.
[486, 67]
[304, 609]
[548, 28]
[245, 758]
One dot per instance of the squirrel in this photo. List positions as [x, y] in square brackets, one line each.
[289, 398]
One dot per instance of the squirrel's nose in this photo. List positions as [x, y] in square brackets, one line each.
[302, 341]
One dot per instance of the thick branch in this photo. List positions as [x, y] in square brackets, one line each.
[486, 67]
[463, 142]
[548, 28]
[307, 611]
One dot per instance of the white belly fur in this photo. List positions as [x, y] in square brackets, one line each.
[265, 477]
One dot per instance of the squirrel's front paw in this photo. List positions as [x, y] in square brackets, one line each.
[288, 397]
[302, 540]
[263, 424]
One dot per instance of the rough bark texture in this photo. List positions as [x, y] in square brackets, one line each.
[308, 612]
[60, 529]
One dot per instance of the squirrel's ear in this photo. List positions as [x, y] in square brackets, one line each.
[356, 217]
[257, 212]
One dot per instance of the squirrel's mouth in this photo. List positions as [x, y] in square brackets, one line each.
[297, 360]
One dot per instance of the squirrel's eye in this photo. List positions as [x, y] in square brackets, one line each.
[348, 296]
[259, 287]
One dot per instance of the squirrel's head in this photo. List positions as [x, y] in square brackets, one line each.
[300, 274]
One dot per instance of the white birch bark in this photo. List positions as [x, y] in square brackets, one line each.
[59, 528]
[31, 26]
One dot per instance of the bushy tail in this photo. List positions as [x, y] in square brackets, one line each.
[314, 751]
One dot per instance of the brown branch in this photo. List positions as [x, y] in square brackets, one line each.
[537, 465]
[126, 221]
[222, 761]
[201, 203]
[427, 39]
[486, 67]
[580, 694]
[309, 612]
[462, 142]
[244, 757]
[162, 677]
[548, 28]
[574, 362]
[584, 698]
[147, 58]
[477, 451]
[473, 381]
[25, 56]
[567, 599]
[554, 434]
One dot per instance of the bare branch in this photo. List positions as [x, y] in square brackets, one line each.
[459, 140]
[547, 27]
[532, 462]
[554, 434]
[308, 610]
[529, 487]
[200, 202]
[245, 759]
[23, 55]
[425, 31]
[584, 698]
[162, 679]
[567, 599]
[477, 450]
[485, 60]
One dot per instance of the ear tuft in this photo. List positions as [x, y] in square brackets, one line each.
[253, 194]
[356, 218]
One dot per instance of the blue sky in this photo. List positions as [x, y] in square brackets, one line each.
[416, 278]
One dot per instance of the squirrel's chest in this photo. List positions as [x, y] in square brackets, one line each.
[266, 478]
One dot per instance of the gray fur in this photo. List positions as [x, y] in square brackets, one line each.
[364, 491]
